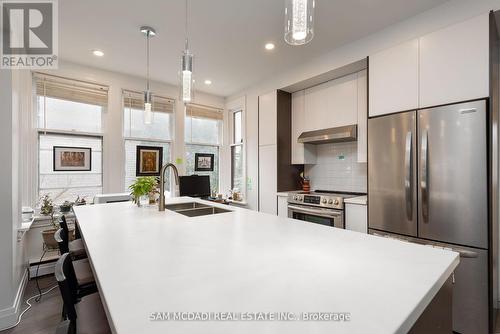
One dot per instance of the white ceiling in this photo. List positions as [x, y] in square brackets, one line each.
[226, 36]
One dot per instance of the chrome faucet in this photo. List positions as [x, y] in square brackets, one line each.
[161, 204]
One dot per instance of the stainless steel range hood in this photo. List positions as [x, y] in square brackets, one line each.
[331, 135]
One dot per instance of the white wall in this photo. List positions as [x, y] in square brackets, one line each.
[449, 13]
[13, 265]
[113, 148]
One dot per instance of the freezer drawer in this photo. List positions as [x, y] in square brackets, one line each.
[391, 174]
[470, 290]
[452, 174]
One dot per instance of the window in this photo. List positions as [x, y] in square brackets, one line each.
[203, 134]
[67, 186]
[237, 175]
[158, 133]
[69, 115]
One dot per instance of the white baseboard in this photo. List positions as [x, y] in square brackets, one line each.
[9, 316]
[44, 269]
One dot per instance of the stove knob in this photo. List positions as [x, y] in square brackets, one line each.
[336, 202]
[324, 201]
[295, 198]
[299, 198]
[330, 201]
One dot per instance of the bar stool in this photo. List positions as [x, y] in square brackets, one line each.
[87, 315]
[76, 247]
[81, 268]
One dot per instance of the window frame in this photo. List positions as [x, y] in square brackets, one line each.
[232, 144]
[126, 137]
[219, 144]
[36, 76]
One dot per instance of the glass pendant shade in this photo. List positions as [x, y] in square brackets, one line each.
[148, 114]
[186, 77]
[299, 21]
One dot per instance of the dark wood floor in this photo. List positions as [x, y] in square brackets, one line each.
[43, 317]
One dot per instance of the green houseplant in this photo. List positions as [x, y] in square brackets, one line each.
[144, 186]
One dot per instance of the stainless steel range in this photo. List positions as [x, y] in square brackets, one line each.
[320, 207]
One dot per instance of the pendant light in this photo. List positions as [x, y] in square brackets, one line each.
[299, 21]
[186, 72]
[148, 114]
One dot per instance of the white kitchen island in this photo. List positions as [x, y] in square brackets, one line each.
[148, 263]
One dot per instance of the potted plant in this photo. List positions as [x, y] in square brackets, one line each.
[47, 209]
[144, 186]
[65, 207]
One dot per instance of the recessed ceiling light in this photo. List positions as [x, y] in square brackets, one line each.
[269, 46]
[98, 53]
[208, 82]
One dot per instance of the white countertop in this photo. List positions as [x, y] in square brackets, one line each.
[244, 261]
[285, 193]
[362, 200]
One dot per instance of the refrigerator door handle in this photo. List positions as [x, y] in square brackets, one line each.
[408, 177]
[424, 180]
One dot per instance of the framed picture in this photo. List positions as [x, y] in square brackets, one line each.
[203, 162]
[72, 159]
[148, 160]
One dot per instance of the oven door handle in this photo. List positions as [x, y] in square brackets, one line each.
[321, 213]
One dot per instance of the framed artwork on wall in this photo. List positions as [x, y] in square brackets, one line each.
[148, 160]
[72, 159]
[204, 162]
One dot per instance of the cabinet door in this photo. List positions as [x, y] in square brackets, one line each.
[362, 110]
[394, 79]
[315, 101]
[282, 206]
[268, 119]
[454, 63]
[342, 101]
[268, 183]
[301, 154]
[356, 218]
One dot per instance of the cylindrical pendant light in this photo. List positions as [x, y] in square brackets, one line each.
[148, 113]
[299, 21]
[186, 73]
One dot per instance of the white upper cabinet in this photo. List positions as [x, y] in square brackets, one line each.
[331, 104]
[268, 119]
[301, 154]
[394, 79]
[362, 117]
[454, 63]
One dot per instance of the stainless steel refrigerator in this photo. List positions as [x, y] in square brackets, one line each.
[428, 183]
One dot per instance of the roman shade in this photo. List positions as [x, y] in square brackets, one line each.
[71, 90]
[135, 100]
[201, 111]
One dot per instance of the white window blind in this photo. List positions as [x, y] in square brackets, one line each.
[69, 105]
[161, 126]
[203, 125]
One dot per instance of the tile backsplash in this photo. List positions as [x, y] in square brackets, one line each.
[337, 168]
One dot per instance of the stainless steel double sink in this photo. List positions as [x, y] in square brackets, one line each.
[195, 209]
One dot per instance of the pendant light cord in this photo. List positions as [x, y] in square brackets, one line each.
[147, 60]
[186, 46]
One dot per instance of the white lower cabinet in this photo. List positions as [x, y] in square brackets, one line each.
[283, 206]
[356, 217]
[268, 179]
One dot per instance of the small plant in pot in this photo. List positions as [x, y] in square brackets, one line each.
[144, 186]
[47, 209]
